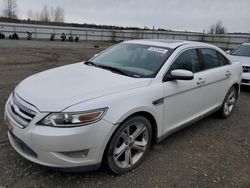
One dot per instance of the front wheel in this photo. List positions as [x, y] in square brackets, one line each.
[229, 103]
[129, 144]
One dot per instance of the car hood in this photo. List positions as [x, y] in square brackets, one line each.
[243, 60]
[59, 88]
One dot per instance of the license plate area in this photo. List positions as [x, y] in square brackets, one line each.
[22, 146]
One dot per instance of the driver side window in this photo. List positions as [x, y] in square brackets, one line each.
[187, 60]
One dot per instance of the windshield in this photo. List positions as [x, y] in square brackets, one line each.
[135, 59]
[243, 50]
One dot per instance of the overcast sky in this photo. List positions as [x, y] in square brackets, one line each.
[191, 15]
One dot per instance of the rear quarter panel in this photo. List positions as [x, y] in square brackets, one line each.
[236, 70]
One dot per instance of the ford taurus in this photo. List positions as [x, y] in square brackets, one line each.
[114, 106]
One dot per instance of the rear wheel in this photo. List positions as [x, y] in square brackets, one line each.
[129, 144]
[229, 102]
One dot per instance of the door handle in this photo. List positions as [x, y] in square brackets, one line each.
[200, 81]
[228, 74]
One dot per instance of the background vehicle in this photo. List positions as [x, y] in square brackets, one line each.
[77, 38]
[242, 55]
[71, 38]
[2, 35]
[14, 36]
[29, 35]
[63, 36]
[116, 105]
[52, 37]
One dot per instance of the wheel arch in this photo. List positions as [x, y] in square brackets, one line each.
[145, 114]
[237, 86]
[151, 119]
[149, 116]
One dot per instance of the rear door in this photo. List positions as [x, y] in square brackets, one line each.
[215, 78]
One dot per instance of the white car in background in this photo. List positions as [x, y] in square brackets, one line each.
[242, 55]
[114, 106]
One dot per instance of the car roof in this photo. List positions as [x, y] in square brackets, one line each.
[246, 43]
[164, 42]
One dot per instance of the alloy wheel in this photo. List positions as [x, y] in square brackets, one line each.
[131, 145]
[230, 102]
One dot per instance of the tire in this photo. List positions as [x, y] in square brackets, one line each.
[129, 145]
[229, 103]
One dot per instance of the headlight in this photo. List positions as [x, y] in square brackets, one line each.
[73, 119]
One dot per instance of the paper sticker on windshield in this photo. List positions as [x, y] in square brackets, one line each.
[159, 50]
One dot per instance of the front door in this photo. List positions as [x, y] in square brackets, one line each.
[183, 97]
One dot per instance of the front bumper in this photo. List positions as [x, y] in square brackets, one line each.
[59, 147]
[245, 79]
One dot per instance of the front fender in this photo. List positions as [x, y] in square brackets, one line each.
[124, 104]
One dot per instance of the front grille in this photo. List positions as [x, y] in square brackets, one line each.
[245, 81]
[19, 113]
[246, 69]
[21, 145]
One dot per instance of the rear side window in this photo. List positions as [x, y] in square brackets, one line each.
[187, 60]
[210, 58]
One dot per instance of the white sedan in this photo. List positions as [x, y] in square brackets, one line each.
[114, 106]
[242, 55]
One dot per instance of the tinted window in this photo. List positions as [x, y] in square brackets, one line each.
[188, 60]
[210, 58]
[243, 50]
[223, 60]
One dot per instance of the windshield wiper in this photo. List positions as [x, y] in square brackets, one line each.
[89, 63]
[113, 69]
[117, 70]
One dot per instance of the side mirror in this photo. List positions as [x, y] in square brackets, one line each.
[228, 51]
[179, 74]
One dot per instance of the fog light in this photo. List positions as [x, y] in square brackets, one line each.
[76, 154]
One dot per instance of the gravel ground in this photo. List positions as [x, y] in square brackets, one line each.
[210, 153]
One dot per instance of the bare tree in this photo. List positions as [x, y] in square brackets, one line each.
[37, 16]
[217, 28]
[30, 15]
[59, 15]
[44, 15]
[47, 15]
[52, 13]
[10, 9]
